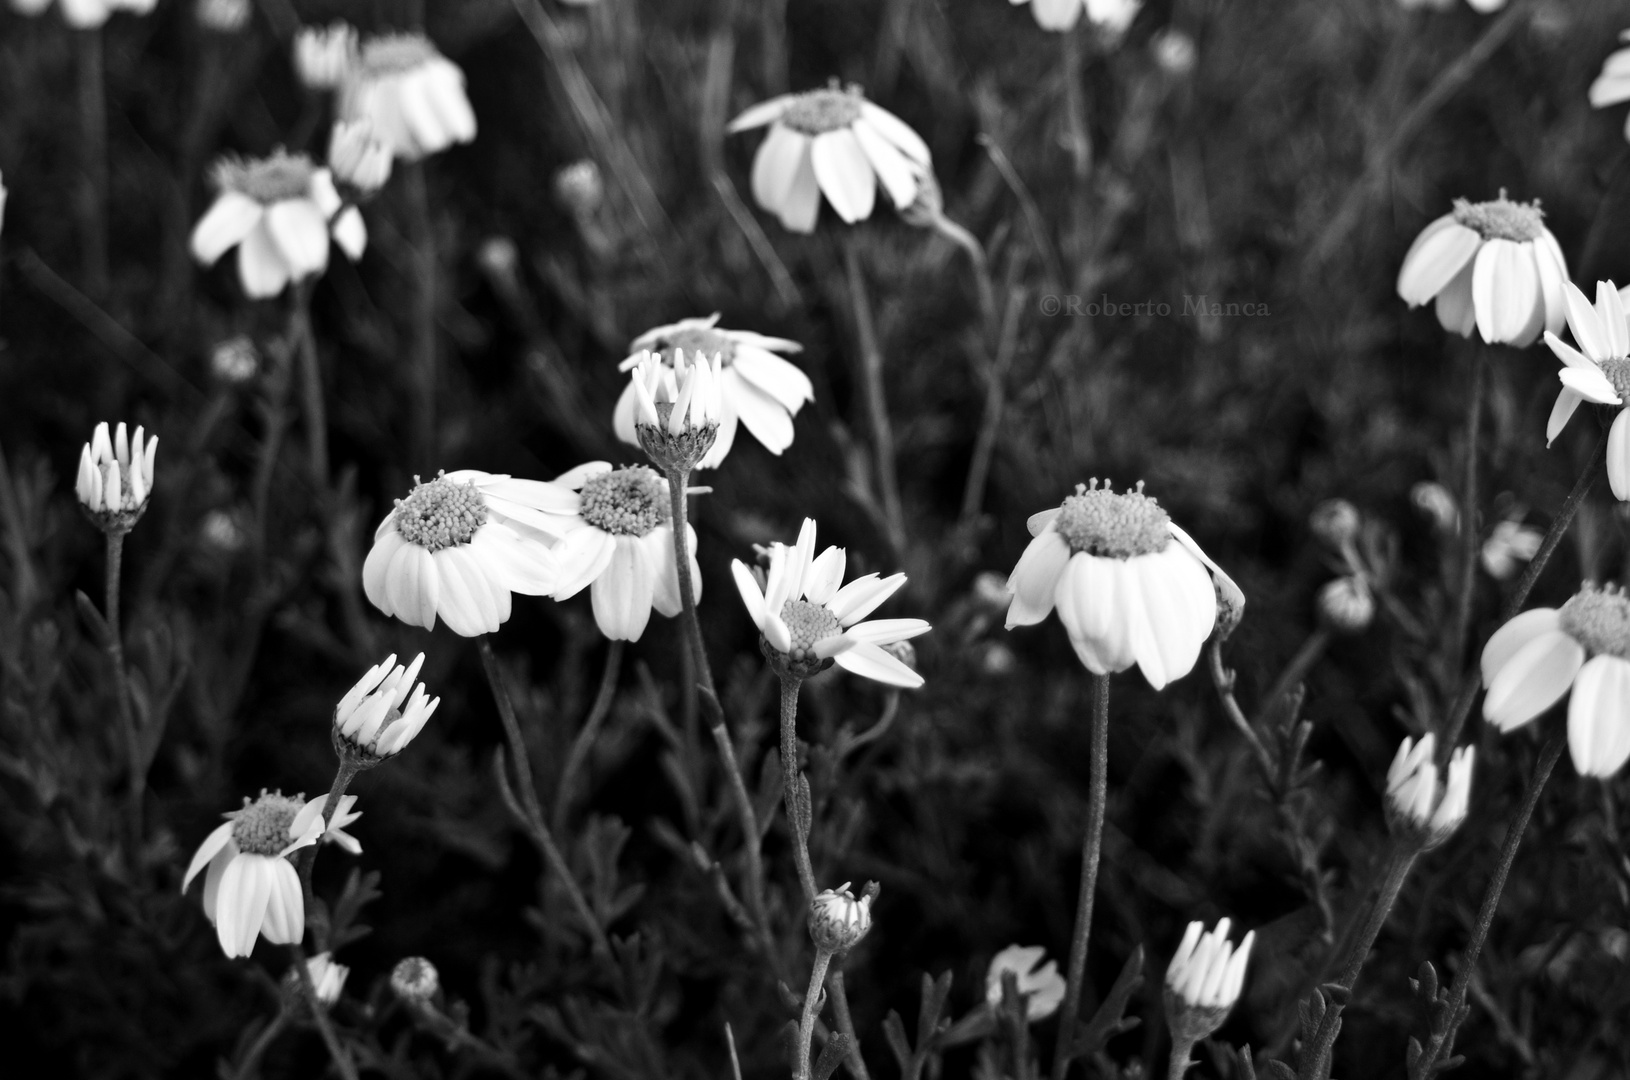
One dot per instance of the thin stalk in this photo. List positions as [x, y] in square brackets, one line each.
[1297, 669]
[306, 858]
[121, 691]
[1469, 531]
[812, 1007]
[1179, 1065]
[790, 784]
[1400, 859]
[678, 511]
[1223, 679]
[1079, 140]
[1091, 848]
[248, 1066]
[990, 422]
[93, 163]
[422, 349]
[591, 728]
[319, 1015]
[877, 411]
[846, 1024]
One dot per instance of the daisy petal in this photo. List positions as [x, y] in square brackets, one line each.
[212, 845]
[1034, 580]
[873, 663]
[1510, 639]
[1599, 717]
[1618, 456]
[1439, 253]
[224, 226]
[1533, 680]
[863, 596]
[844, 174]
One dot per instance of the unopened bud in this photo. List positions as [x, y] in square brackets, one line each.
[1346, 605]
[1335, 522]
[1204, 981]
[837, 920]
[116, 477]
[1418, 804]
[414, 980]
[1174, 51]
[234, 360]
[579, 189]
[1434, 501]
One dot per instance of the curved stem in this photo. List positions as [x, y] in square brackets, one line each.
[249, 1065]
[1091, 847]
[812, 1006]
[797, 812]
[121, 693]
[877, 411]
[1223, 679]
[591, 728]
[1470, 532]
[319, 1016]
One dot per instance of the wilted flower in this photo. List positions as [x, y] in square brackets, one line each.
[457, 546]
[1490, 265]
[413, 95]
[837, 921]
[116, 477]
[1420, 804]
[1042, 987]
[1130, 586]
[1203, 981]
[835, 142]
[1346, 605]
[357, 157]
[809, 623]
[1599, 374]
[414, 979]
[376, 718]
[223, 16]
[1335, 522]
[1113, 16]
[1612, 86]
[277, 211]
[325, 55]
[1433, 499]
[84, 14]
[1534, 659]
[678, 406]
[1510, 546]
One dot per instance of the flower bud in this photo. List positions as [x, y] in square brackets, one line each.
[1203, 981]
[357, 158]
[1335, 522]
[678, 407]
[1346, 605]
[324, 56]
[115, 477]
[415, 980]
[1510, 546]
[377, 718]
[1433, 500]
[837, 921]
[1042, 987]
[928, 205]
[1174, 51]
[579, 189]
[1417, 803]
[1230, 603]
[234, 360]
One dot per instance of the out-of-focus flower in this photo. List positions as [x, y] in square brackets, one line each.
[116, 477]
[234, 360]
[1346, 605]
[357, 157]
[84, 14]
[221, 532]
[1534, 659]
[277, 211]
[1042, 987]
[327, 977]
[1335, 522]
[1204, 981]
[414, 979]
[458, 545]
[759, 389]
[413, 95]
[1598, 372]
[837, 920]
[1130, 586]
[325, 55]
[1612, 86]
[377, 718]
[809, 623]
[579, 189]
[1510, 546]
[678, 406]
[1420, 804]
[1114, 16]
[251, 888]
[1174, 51]
[831, 141]
[223, 16]
[927, 208]
[1433, 499]
[1492, 266]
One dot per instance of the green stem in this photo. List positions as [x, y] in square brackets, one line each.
[1470, 533]
[1091, 848]
[1399, 861]
[877, 411]
[846, 1024]
[812, 1001]
[790, 784]
[1179, 1064]
[319, 1015]
[121, 692]
[591, 728]
[1297, 669]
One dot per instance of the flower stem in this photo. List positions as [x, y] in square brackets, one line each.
[1297, 669]
[791, 785]
[812, 1003]
[877, 412]
[1091, 847]
[93, 164]
[311, 378]
[121, 692]
[306, 858]
[1470, 533]
[1180, 1059]
[846, 1023]
[591, 728]
[248, 1066]
[1400, 859]
[319, 1016]
[1078, 138]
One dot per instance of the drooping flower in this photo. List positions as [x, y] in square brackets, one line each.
[831, 141]
[809, 623]
[357, 157]
[1130, 586]
[1531, 661]
[1612, 86]
[677, 408]
[1598, 371]
[1042, 986]
[1492, 266]
[1114, 16]
[278, 212]
[325, 55]
[84, 14]
[1421, 804]
[377, 718]
[116, 477]
[412, 94]
[760, 389]
[838, 920]
[458, 545]
[1204, 981]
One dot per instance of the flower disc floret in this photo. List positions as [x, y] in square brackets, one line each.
[626, 502]
[1618, 375]
[440, 514]
[1101, 522]
[1599, 619]
[266, 180]
[262, 826]
[393, 54]
[818, 111]
[1502, 218]
[807, 624]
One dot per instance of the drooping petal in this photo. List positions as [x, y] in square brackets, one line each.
[224, 226]
[1553, 274]
[468, 604]
[582, 556]
[781, 379]
[1599, 717]
[1090, 598]
[889, 164]
[285, 919]
[301, 235]
[1618, 456]
[844, 174]
[801, 205]
[659, 555]
[414, 584]
[520, 565]
[1034, 580]
[776, 165]
[351, 233]
[897, 131]
[1533, 680]
[622, 417]
[212, 845]
[873, 663]
[1439, 253]
[622, 595]
[1505, 293]
[764, 416]
[387, 542]
[1510, 639]
[1454, 307]
[261, 268]
[240, 905]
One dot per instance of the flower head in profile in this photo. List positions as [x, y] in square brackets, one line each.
[357, 158]
[1112, 16]
[1490, 266]
[84, 14]
[1041, 984]
[832, 142]
[838, 920]
[327, 978]
[458, 546]
[1612, 86]
[1204, 981]
[116, 477]
[251, 889]
[1420, 803]
[278, 212]
[413, 95]
[1531, 661]
[758, 388]
[1130, 586]
[1598, 371]
[325, 55]
[808, 622]
[677, 408]
[379, 716]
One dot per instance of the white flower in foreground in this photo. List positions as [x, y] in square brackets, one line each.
[760, 389]
[1598, 371]
[1418, 802]
[811, 623]
[116, 476]
[84, 14]
[277, 211]
[458, 545]
[1042, 987]
[1130, 586]
[834, 142]
[357, 157]
[1534, 659]
[1492, 266]
[1112, 15]
[837, 920]
[1612, 86]
[377, 718]
[325, 55]
[1204, 981]
[413, 95]
[677, 408]
[1508, 547]
[251, 888]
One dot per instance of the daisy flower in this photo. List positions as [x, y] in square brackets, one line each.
[1042, 987]
[411, 92]
[325, 55]
[1113, 15]
[84, 14]
[809, 622]
[677, 409]
[1492, 266]
[831, 142]
[357, 157]
[1418, 801]
[458, 545]
[1612, 86]
[278, 212]
[252, 888]
[1204, 981]
[1540, 655]
[116, 476]
[1598, 371]
[1130, 586]
[759, 388]
[377, 718]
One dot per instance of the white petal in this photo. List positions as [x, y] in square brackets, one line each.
[659, 556]
[1610, 315]
[1439, 253]
[1505, 293]
[261, 267]
[759, 115]
[780, 379]
[1587, 330]
[622, 417]
[887, 631]
[751, 597]
[374, 576]
[1533, 680]
[889, 163]
[466, 602]
[873, 663]
[414, 585]
[1454, 308]
[1553, 275]
[350, 233]
[1038, 521]
[1599, 717]
[1591, 384]
[764, 416]
[240, 905]
[212, 845]
[574, 479]
[1618, 456]
[1090, 602]
[301, 234]
[776, 165]
[583, 556]
[1034, 580]
[844, 174]
[622, 595]
[224, 226]
[897, 131]
[1566, 402]
[521, 565]
[825, 575]
[285, 920]
[1510, 639]
[801, 205]
[863, 596]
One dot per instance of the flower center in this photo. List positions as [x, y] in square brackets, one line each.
[709, 343]
[266, 180]
[262, 826]
[440, 514]
[625, 502]
[808, 623]
[1618, 373]
[392, 54]
[1598, 617]
[1502, 218]
[1100, 522]
[823, 110]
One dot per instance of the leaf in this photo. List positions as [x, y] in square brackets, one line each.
[894, 1032]
[932, 1006]
[1247, 1068]
[1111, 1019]
[832, 1055]
[93, 618]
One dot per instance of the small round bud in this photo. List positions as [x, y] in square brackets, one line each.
[837, 920]
[579, 189]
[414, 980]
[1346, 605]
[1335, 522]
[1174, 51]
[234, 360]
[498, 256]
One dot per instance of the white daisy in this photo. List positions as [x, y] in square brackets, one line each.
[411, 92]
[1042, 987]
[116, 474]
[759, 388]
[811, 623]
[278, 212]
[84, 14]
[1612, 86]
[458, 545]
[1112, 15]
[1421, 803]
[834, 142]
[1207, 972]
[1534, 659]
[1492, 266]
[1598, 371]
[377, 717]
[1130, 586]
[357, 157]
